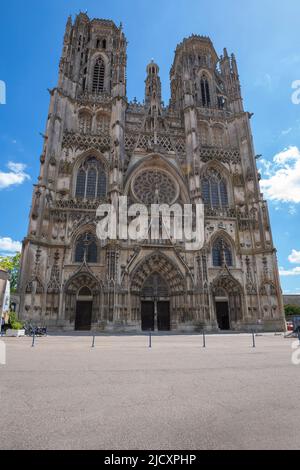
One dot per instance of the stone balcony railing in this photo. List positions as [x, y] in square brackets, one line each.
[229, 212]
[94, 98]
[78, 204]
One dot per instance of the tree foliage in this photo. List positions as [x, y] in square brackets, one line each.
[12, 265]
[292, 310]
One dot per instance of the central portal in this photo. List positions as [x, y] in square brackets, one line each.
[156, 316]
[155, 305]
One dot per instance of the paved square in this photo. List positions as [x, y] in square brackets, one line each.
[62, 394]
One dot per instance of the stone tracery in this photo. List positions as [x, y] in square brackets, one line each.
[154, 186]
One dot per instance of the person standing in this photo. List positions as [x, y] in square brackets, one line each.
[2, 325]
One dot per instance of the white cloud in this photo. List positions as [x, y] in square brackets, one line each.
[9, 246]
[283, 178]
[294, 257]
[15, 176]
[265, 81]
[290, 272]
[286, 131]
[292, 210]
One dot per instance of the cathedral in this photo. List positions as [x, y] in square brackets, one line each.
[196, 150]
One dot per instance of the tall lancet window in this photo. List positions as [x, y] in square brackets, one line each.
[221, 253]
[98, 76]
[91, 180]
[214, 190]
[85, 122]
[86, 248]
[205, 92]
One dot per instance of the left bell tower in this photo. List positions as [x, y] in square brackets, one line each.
[93, 58]
[80, 166]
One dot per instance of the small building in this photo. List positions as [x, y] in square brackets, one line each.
[291, 300]
[4, 279]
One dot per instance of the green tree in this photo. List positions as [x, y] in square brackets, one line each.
[291, 310]
[12, 265]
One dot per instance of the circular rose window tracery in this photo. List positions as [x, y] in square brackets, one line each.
[153, 186]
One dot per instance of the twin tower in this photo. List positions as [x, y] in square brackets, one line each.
[98, 146]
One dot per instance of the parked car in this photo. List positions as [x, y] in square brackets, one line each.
[290, 325]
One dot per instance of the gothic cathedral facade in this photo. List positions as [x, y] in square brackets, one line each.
[99, 146]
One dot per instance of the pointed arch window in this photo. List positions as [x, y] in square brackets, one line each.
[98, 76]
[85, 123]
[214, 190]
[91, 182]
[86, 248]
[221, 253]
[103, 123]
[219, 136]
[205, 92]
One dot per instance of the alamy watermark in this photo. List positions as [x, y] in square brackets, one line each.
[2, 92]
[296, 354]
[159, 222]
[2, 353]
[296, 94]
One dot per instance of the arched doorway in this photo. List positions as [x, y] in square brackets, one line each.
[227, 294]
[82, 301]
[222, 309]
[158, 293]
[84, 309]
[155, 304]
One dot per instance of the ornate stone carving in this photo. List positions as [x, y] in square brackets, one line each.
[85, 142]
[154, 186]
[224, 156]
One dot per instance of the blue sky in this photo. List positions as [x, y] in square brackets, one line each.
[264, 35]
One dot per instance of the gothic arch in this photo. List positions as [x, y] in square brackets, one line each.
[226, 283]
[204, 71]
[268, 288]
[159, 263]
[92, 153]
[35, 285]
[85, 121]
[219, 135]
[222, 234]
[215, 166]
[83, 278]
[205, 88]
[205, 136]
[96, 56]
[269, 299]
[157, 162]
[93, 246]
[102, 122]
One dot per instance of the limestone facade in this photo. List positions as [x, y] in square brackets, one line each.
[199, 148]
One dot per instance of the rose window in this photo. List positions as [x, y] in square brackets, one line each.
[155, 187]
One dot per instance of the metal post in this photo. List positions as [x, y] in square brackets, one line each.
[150, 339]
[33, 339]
[253, 339]
[94, 338]
[204, 339]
